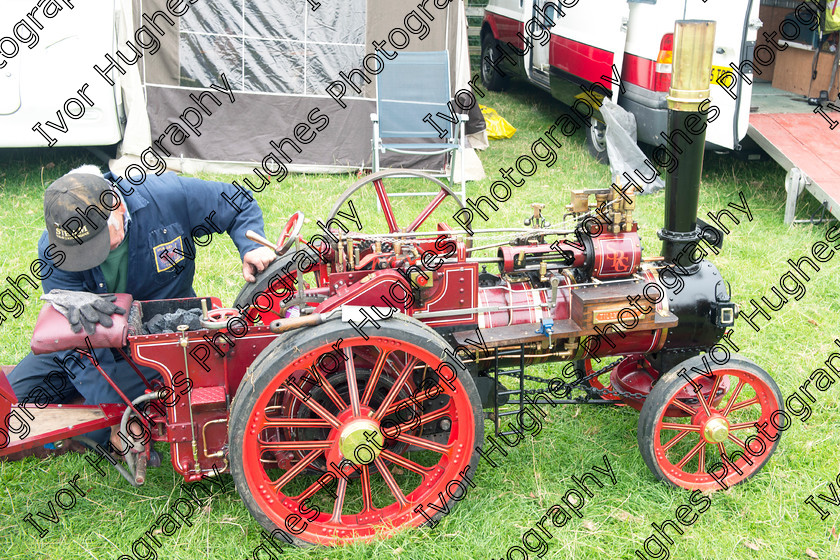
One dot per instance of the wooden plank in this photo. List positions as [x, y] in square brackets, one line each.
[51, 419]
[804, 141]
[57, 422]
[807, 141]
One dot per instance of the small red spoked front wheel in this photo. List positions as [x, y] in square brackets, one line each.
[706, 426]
[337, 439]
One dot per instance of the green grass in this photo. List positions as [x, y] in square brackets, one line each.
[762, 519]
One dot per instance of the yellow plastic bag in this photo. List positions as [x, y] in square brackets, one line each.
[832, 16]
[497, 127]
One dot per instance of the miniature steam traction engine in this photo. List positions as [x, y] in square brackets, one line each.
[344, 390]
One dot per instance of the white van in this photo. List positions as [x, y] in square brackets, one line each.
[593, 43]
[47, 53]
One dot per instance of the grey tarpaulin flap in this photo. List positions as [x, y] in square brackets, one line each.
[280, 59]
[626, 159]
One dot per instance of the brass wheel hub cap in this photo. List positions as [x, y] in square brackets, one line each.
[361, 441]
[716, 430]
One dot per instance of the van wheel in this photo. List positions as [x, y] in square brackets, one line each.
[490, 77]
[596, 141]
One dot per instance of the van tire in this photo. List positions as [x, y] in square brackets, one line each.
[490, 76]
[596, 142]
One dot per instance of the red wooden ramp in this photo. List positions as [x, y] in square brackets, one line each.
[808, 149]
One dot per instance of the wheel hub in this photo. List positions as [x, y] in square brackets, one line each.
[361, 441]
[716, 430]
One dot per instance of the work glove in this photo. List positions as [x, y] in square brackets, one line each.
[83, 309]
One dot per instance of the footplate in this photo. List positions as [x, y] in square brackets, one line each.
[29, 426]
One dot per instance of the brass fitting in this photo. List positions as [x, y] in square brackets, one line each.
[694, 42]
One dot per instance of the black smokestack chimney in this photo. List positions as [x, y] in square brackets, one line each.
[692, 64]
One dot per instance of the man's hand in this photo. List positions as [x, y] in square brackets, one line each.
[256, 261]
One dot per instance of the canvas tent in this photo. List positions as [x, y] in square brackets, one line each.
[279, 57]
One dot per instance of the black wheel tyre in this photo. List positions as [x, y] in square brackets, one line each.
[275, 294]
[282, 358]
[490, 77]
[671, 387]
[596, 142]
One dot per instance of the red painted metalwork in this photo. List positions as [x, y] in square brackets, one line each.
[570, 299]
[616, 255]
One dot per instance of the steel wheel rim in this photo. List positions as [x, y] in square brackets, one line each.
[394, 225]
[326, 527]
[746, 403]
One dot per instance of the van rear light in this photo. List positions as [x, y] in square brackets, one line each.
[662, 74]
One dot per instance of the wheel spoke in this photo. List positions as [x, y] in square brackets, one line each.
[392, 484]
[310, 491]
[352, 385]
[696, 388]
[339, 501]
[395, 389]
[385, 202]
[694, 451]
[744, 404]
[684, 407]
[715, 386]
[296, 470]
[374, 376]
[407, 464]
[733, 397]
[423, 443]
[414, 423]
[313, 406]
[674, 440]
[742, 426]
[701, 461]
[296, 423]
[418, 221]
[367, 495]
[737, 441]
[680, 427]
[295, 445]
[329, 390]
[414, 399]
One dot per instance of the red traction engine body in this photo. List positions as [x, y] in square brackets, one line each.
[344, 390]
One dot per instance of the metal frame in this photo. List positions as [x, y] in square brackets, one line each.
[456, 144]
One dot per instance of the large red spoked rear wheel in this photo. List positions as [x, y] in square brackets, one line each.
[693, 435]
[333, 449]
[400, 214]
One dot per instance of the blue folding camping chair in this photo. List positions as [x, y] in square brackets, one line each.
[411, 91]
